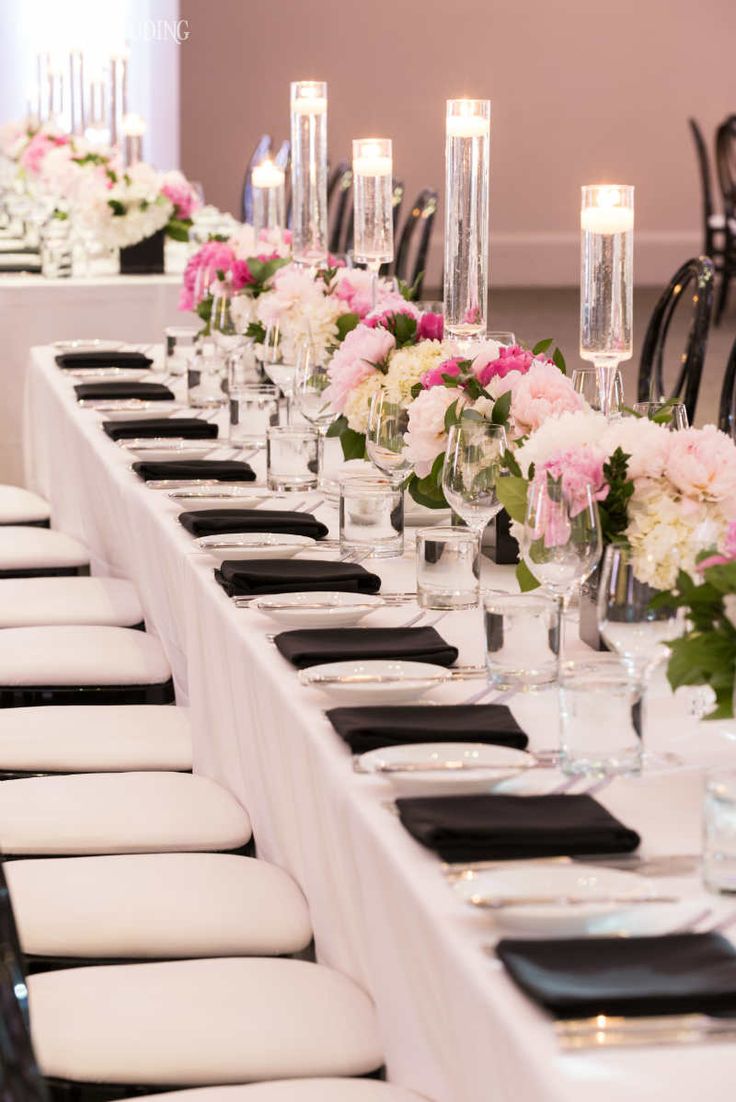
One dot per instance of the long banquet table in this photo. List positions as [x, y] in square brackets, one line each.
[454, 1026]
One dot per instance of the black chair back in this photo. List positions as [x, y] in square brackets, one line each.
[726, 164]
[706, 189]
[422, 215]
[727, 405]
[339, 202]
[20, 1078]
[261, 151]
[697, 275]
[397, 197]
[283, 160]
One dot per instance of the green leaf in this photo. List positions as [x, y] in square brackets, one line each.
[501, 409]
[427, 491]
[542, 346]
[559, 360]
[256, 331]
[451, 415]
[410, 293]
[353, 444]
[525, 578]
[416, 390]
[178, 229]
[509, 462]
[338, 426]
[117, 208]
[512, 491]
[345, 324]
[404, 329]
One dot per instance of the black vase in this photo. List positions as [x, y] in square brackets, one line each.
[499, 545]
[146, 257]
[588, 630]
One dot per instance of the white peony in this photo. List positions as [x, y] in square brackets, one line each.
[569, 430]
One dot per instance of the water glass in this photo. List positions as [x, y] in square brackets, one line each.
[291, 458]
[719, 831]
[206, 377]
[388, 422]
[522, 640]
[56, 249]
[586, 383]
[671, 414]
[448, 567]
[601, 717]
[179, 345]
[371, 517]
[253, 411]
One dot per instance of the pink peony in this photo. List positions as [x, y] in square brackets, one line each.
[433, 377]
[509, 359]
[212, 257]
[32, 157]
[728, 555]
[388, 306]
[541, 393]
[177, 189]
[431, 327]
[702, 464]
[579, 468]
[355, 360]
[425, 437]
[354, 287]
[241, 275]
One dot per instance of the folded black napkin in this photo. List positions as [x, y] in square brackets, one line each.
[222, 522]
[189, 428]
[580, 978]
[289, 576]
[149, 392]
[223, 470]
[68, 360]
[495, 827]
[312, 646]
[369, 728]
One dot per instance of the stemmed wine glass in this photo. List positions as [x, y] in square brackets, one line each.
[388, 421]
[310, 382]
[279, 368]
[227, 339]
[561, 539]
[471, 471]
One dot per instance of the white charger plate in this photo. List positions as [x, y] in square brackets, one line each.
[92, 344]
[317, 610]
[108, 374]
[570, 920]
[375, 681]
[501, 761]
[123, 409]
[224, 496]
[159, 449]
[254, 545]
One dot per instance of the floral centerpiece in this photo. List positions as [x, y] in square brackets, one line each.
[123, 207]
[706, 653]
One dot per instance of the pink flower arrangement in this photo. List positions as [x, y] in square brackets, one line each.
[700, 464]
[213, 256]
[538, 394]
[425, 437]
[509, 358]
[579, 468]
[388, 307]
[180, 192]
[431, 327]
[355, 360]
[32, 157]
[435, 376]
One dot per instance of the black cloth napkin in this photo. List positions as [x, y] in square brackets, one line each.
[68, 360]
[243, 579]
[221, 522]
[370, 728]
[189, 428]
[150, 392]
[223, 470]
[312, 646]
[497, 827]
[580, 978]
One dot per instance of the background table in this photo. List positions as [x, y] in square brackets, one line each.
[454, 1027]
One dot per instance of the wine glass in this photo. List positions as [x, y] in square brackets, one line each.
[671, 414]
[585, 382]
[471, 470]
[277, 366]
[560, 542]
[227, 339]
[311, 379]
[388, 421]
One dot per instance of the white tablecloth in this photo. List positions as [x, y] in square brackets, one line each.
[454, 1026]
[35, 310]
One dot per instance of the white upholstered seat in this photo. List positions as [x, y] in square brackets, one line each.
[28, 602]
[19, 506]
[91, 813]
[80, 655]
[295, 1090]
[94, 738]
[160, 905]
[39, 549]
[201, 1022]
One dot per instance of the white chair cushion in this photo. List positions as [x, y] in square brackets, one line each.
[296, 1090]
[96, 738]
[19, 506]
[78, 656]
[201, 1022]
[157, 906]
[39, 549]
[25, 602]
[93, 813]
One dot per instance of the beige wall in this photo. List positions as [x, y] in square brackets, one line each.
[582, 90]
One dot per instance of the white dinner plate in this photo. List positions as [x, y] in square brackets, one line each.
[108, 374]
[123, 409]
[570, 920]
[318, 610]
[224, 496]
[93, 344]
[375, 681]
[254, 545]
[453, 768]
[158, 449]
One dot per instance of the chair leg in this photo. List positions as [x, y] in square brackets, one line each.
[726, 274]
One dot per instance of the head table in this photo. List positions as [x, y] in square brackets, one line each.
[454, 1026]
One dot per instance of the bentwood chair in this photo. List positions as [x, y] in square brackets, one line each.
[726, 172]
[339, 197]
[261, 151]
[713, 223]
[38, 602]
[414, 240]
[727, 405]
[282, 158]
[692, 282]
[297, 1090]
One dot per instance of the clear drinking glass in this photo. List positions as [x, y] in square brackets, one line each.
[585, 382]
[371, 517]
[467, 166]
[606, 281]
[448, 567]
[291, 458]
[671, 414]
[310, 383]
[522, 640]
[309, 171]
[206, 377]
[627, 622]
[253, 411]
[279, 368]
[56, 249]
[179, 344]
[560, 542]
[384, 442]
[268, 196]
[472, 468]
[601, 717]
[719, 831]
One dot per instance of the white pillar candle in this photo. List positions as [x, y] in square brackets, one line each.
[268, 175]
[372, 205]
[309, 171]
[308, 100]
[371, 161]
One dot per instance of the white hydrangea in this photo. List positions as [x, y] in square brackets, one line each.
[407, 365]
[665, 537]
[358, 404]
